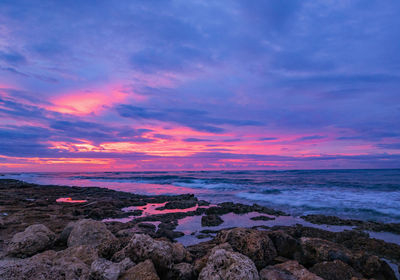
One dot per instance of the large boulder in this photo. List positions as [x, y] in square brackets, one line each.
[285, 245]
[336, 270]
[228, 265]
[318, 250]
[107, 270]
[253, 243]
[373, 267]
[142, 247]
[35, 239]
[290, 270]
[44, 266]
[211, 220]
[142, 271]
[89, 232]
[182, 271]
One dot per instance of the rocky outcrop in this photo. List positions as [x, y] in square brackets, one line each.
[211, 220]
[142, 271]
[89, 232]
[182, 271]
[34, 239]
[290, 270]
[336, 270]
[107, 270]
[223, 264]
[319, 250]
[285, 245]
[254, 244]
[142, 247]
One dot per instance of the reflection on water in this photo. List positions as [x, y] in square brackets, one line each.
[188, 225]
[152, 209]
[69, 200]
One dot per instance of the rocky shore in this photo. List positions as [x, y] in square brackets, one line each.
[41, 238]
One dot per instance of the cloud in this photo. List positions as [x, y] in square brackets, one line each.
[193, 118]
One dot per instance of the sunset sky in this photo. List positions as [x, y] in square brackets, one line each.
[198, 85]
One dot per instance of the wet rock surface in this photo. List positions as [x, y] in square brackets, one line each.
[211, 220]
[43, 239]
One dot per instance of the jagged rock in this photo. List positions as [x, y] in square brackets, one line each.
[179, 253]
[85, 253]
[223, 264]
[142, 271]
[89, 232]
[285, 245]
[290, 270]
[373, 267]
[142, 247]
[34, 239]
[107, 270]
[253, 243]
[211, 220]
[273, 273]
[182, 271]
[336, 270]
[318, 250]
[45, 266]
[64, 235]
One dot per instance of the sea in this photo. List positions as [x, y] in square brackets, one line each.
[359, 194]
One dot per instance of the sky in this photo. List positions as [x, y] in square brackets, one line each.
[199, 85]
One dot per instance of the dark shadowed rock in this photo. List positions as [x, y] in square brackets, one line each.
[223, 264]
[285, 245]
[211, 220]
[273, 273]
[107, 270]
[34, 239]
[142, 271]
[294, 268]
[336, 270]
[319, 250]
[373, 267]
[253, 243]
[182, 271]
[262, 218]
[89, 232]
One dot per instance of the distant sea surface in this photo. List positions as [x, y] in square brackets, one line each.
[360, 194]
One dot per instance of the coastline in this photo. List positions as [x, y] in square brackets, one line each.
[162, 217]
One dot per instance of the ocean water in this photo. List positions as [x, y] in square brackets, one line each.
[361, 194]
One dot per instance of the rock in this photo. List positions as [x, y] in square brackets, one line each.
[34, 239]
[44, 266]
[295, 269]
[142, 271]
[109, 247]
[336, 270]
[223, 264]
[182, 271]
[89, 232]
[262, 218]
[373, 267]
[319, 250]
[107, 270]
[142, 247]
[179, 253]
[84, 253]
[64, 235]
[180, 204]
[104, 269]
[273, 273]
[285, 245]
[211, 220]
[253, 243]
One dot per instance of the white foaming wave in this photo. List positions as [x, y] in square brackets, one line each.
[383, 203]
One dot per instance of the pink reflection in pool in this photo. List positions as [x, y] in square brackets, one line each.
[69, 200]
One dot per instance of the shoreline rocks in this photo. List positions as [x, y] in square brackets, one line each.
[67, 244]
